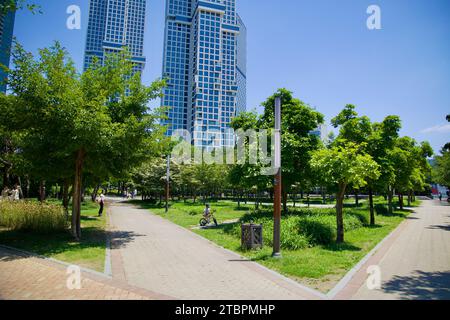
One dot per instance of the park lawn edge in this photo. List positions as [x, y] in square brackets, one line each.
[322, 281]
[89, 253]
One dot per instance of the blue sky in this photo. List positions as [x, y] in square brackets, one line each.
[319, 49]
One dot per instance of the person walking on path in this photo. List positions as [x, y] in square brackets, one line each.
[101, 202]
[440, 196]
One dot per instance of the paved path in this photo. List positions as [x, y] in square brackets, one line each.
[416, 265]
[160, 256]
[27, 277]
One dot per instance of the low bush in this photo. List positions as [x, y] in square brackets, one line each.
[303, 228]
[32, 216]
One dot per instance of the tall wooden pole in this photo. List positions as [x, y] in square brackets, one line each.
[167, 183]
[277, 182]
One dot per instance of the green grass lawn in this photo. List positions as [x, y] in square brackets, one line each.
[319, 266]
[89, 253]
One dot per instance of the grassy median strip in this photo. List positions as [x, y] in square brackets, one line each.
[89, 253]
[310, 255]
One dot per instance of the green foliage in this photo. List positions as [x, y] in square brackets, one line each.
[302, 228]
[352, 128]
[95, 124]
[345, 165]
[298, 121]
[441, 169]
[409, 161]
[150, 178]
[15, 5]
[32, 217]
[321, 229]
[297, 142]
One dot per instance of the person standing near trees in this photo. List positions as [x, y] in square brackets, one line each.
[15, 194]
[101, 202]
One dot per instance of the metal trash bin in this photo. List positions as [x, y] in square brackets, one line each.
[251, 236]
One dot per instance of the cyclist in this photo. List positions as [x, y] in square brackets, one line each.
[207, 211]
[207, 214]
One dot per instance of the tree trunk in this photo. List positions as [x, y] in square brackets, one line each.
[400, 200]
[324, 196]
[409, 198]
[356, 199]
[390, 196]
[27, 188]
[19, 181]
[340, 213]
[371, 208]
[76, 202]
[294, 198]
[65, 196]
[94, 193]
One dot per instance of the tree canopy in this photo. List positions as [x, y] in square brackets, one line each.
[71, 124]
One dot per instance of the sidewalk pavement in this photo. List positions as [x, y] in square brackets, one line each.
[163, 257]
[28, 277]
[414, 263]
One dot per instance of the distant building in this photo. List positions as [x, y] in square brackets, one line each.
[241, 67]
[205, 64]
[321, 132]
[6, 35]
[114, 24]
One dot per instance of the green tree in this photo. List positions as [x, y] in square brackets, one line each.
[342, 166]
[382, 139]
[297, 141]
[352, 128]
[409, 161]
[246, 177]
[441, 169]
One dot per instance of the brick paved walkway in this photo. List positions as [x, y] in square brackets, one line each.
[415, 263]
[25, 277]
[160, 256]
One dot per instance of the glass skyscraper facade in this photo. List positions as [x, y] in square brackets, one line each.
[241, 67]
[6, 35]
[114, 24]
[204, 62]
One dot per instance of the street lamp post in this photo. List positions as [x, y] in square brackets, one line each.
[277, 182]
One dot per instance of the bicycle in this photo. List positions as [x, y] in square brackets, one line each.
[207, 219]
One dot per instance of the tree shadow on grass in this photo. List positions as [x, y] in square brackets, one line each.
[54, 243]
[375, 226]
[420, 286]
[337, 247]
[383, 210]
[92, 238]
[242, 208]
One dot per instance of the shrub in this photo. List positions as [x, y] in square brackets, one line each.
[32, 216]
[303, 227]
[291, 238]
